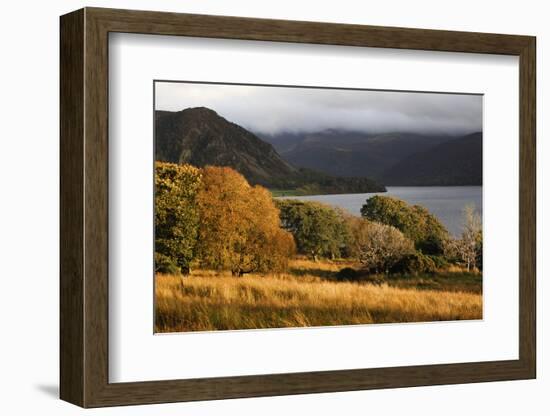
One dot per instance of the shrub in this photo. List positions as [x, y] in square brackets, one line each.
[414, 263]
[383, 248]
[416, 222]
[166, 265]
[440, 261]
[348, 274]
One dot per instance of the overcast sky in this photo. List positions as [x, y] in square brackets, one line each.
[275, 110]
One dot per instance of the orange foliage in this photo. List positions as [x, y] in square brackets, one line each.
[239, 227]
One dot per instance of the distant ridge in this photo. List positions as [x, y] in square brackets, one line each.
[398, 158]
[350, 153]
[452, 163]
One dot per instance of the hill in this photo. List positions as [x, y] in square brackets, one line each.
[452, 163]
[346, 153]
[199, 136]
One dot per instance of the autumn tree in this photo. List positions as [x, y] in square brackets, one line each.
[416, 222]
[356, 236]
[176, 216]
[383, 247]
[319, 230]
[239, 227]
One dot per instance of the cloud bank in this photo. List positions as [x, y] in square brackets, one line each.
[274, 110]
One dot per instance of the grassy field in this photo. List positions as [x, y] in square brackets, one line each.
[308, 295]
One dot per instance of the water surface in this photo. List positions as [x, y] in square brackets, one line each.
[445, 202]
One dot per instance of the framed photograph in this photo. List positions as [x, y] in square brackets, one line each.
[255, 207]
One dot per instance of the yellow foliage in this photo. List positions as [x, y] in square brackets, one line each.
[239, 225]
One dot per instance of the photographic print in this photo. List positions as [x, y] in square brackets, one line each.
[288, 206]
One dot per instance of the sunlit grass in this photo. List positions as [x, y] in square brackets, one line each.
[305, 296]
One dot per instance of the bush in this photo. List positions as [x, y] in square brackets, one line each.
[164, 264]
[416, 222]
[414, 264]
[348, 274]
[383, 248]
[440, 262]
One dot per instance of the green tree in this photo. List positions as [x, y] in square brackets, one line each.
[416, 222]
[319, 230]
[176, 216]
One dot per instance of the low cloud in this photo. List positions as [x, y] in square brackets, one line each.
[274, 110]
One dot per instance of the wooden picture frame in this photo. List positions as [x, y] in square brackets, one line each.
[84, 207]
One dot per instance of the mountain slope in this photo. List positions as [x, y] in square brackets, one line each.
[344, 153]
[452, 163]
[199, 136]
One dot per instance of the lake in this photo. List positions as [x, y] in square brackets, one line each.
[445, 202]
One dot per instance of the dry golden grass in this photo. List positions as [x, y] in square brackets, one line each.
[210, 301]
